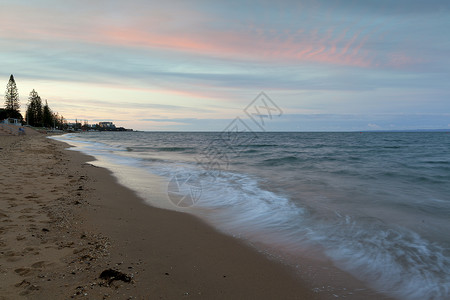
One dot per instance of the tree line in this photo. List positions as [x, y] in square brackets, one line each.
[38, 114]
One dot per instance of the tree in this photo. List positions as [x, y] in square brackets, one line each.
[59, 121]
[12, 95]
[11, 101]
[47, 116]
[34, 113]
[42, 116]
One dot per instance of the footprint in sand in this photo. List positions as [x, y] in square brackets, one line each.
[20, 237]
[26, 216]
[13, 259]
[12, 256]
[11, 253]
[40, 265]
[27, 286]
[23, 271]
[12, 204]
[22, 283]
[29, 289]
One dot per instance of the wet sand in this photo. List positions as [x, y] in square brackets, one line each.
[63, 222]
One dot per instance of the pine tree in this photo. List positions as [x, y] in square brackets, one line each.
[29, 115]
[12, 95]
[34, 113]
[47, 116]
[42, 116]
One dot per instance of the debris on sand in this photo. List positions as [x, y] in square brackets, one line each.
[112, 275]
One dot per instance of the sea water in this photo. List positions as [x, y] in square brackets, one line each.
[376, 205]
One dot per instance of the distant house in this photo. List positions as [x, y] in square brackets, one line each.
[11, 121]
[107, 125]
[71, 126]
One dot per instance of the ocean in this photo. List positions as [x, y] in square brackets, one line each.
[372, 205]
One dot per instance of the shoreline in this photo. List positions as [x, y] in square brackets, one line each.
[90, 228]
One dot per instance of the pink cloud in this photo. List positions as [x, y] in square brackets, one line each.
[342, 44]
[254, 45]
[251, 43]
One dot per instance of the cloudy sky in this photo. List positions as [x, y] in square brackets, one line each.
[197, 65]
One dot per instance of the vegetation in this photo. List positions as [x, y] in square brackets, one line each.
[40, 115]
[12, 104]
[12, 95]
[37, 115]
[47, 116]
[34, 111]
[4, 114]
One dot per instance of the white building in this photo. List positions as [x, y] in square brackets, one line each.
[11, 121]
[106, 125]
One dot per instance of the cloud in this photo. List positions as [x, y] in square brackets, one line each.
[341, 43]
[373, 126]
[205, 60]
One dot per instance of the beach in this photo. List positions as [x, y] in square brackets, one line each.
[69, 230]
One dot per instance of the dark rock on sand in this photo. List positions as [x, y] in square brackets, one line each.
[111, 275]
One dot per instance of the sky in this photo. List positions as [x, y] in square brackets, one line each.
[325, 65]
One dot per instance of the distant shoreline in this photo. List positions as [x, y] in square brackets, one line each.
[352, 131]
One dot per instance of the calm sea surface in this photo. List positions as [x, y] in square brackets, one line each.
[376, 205]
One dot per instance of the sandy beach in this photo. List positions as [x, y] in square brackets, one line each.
[70, 231]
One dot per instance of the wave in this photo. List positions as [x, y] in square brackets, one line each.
[280, 161]
[396, 261]
[162, 149]
[173, 149]
[259, 145]
[393, 260]
[250, 151]
[437, 162]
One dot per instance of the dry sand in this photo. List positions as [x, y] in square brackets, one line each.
[63, 222]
